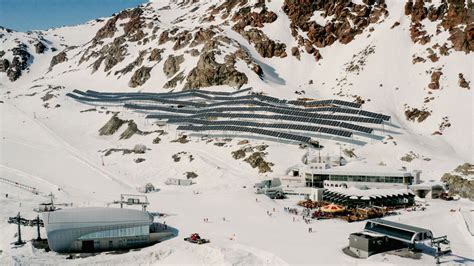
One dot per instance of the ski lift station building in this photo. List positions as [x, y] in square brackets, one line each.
[381, 235]
[98, 228]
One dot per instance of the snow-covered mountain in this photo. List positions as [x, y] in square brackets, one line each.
[409, 60]
[412, 60]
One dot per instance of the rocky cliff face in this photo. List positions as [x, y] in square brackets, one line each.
[460, 181]
[453, 16]
[19, 50]
[198, 47]
[20, 62]
[348, 20]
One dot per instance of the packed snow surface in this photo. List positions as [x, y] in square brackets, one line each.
[57, 148]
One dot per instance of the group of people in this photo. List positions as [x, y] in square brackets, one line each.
[291, 210]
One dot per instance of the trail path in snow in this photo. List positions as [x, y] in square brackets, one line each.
[73, 151]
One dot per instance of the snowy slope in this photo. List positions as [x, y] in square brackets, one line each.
[58, 146]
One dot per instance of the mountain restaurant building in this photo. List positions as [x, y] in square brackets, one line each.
[323, 176]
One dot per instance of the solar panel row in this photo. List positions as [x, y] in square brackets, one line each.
[325, 102]
[314, 129]
[259, 131]
[288, 118]
[120, 94]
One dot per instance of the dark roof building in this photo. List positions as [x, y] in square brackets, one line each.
[398, 231]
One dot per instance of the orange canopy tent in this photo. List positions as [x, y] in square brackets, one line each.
[333, 208]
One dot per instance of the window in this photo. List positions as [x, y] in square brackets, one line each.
[118, 232]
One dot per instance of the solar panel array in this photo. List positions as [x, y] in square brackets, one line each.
[244, 111]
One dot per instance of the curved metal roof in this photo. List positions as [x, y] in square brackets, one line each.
[82, 217]
[402, 232]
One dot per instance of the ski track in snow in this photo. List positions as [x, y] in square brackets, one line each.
[74, 152]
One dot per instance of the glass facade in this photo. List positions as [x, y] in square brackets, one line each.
[118, 232]
[315, 180]
[359, 178]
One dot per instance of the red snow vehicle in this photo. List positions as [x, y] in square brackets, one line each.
[196, 239]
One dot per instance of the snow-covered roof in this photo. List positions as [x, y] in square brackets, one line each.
[95, 215]
[427, 185]
[358, 169]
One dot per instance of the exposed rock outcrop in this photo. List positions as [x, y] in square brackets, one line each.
[111, 126]
[190, 175]
[40, 47]
[14, 71]
[182, 40]
[137, 62]
[462, 82]
[415, 114]
[132, 29]
[349, 20]
[264, 46]
[137, 149]
[210, 73]
[131, 130]
[4, 65]
[295, 52]
[454, 16]
[174, 81]
[463, 40]
[171, 65]
[183, 139]
[111, 54]
[57, 59]
[114, 52]
[140, 76]
[434, 85]
[20, 62]
[460, 181]
[155, 54]
[202, 35]
[257, 160]
[245, 17]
